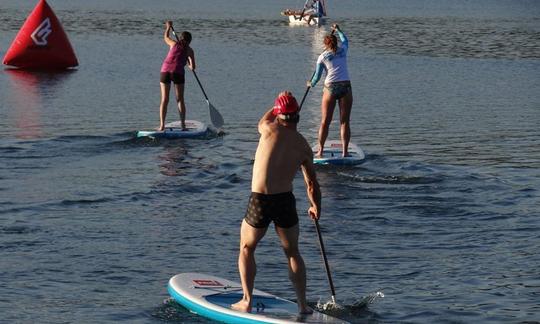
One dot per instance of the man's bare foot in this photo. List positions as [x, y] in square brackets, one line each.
[160, 128]
[346, 154]
[305, 311]
[319, 154]
[184, 128]
[242, 306]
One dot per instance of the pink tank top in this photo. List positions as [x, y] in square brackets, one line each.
[176, 59]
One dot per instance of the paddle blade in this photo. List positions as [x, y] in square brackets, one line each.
[215, 116]
[329, 306]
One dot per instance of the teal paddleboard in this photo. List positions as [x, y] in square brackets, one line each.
[193, 129]
[211, 297]
[332, 154]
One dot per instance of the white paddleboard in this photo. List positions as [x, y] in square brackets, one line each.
[174, 130]
[332, 154]
[211, 297]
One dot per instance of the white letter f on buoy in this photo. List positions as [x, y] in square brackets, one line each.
[39, 36]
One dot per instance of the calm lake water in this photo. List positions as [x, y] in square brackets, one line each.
[443, 217]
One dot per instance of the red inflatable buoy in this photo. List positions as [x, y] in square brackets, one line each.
[41, 43]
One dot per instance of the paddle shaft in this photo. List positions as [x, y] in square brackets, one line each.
[326, 266]
[302, 14]
[304, 98]
[303, 10]
[200, 85]
[174, 33]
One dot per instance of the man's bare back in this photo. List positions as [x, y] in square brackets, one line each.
[281, 152]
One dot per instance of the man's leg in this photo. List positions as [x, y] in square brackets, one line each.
[297, 269]
[249, 237]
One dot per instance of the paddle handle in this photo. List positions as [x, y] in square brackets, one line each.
[326, 266]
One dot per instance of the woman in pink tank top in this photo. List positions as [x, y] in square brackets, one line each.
[172, 69]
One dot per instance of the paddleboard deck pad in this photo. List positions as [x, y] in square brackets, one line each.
[194, 129]
[211, 297]
[332, 154]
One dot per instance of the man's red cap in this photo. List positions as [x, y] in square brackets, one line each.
[285, 104]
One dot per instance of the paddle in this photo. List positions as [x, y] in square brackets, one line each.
[302, 14]
[304, 98]
[215, 116]
[326, 266]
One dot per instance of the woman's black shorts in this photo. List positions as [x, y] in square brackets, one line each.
[176, 78]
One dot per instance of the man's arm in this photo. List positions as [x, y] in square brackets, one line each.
[266, 120]
[312, 187]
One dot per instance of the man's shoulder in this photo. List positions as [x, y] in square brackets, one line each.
[301, 137]
[267, 126]
[303, 143]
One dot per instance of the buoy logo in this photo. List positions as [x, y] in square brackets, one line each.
[39, 36]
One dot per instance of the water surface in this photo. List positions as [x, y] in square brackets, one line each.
[442, 217]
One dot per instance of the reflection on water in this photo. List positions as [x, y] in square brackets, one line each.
[29, 93]
[174, 160]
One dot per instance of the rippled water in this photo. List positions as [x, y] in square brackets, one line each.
[442, 217]
[431, 36]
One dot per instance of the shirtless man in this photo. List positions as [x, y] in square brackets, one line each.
[281, 152]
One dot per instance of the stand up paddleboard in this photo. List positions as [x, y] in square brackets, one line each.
[174, 130]
[332, 154]
[211, 297]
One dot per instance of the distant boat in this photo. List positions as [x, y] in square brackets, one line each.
[313, 13]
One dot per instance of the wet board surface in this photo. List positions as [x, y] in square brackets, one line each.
[332, 154]
[211, 297]
[173, 130]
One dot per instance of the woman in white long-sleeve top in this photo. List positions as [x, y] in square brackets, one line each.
[337, 87]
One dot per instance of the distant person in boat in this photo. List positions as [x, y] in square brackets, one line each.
[314, 8]
[281, 152]
[337, 88]
[172, 69]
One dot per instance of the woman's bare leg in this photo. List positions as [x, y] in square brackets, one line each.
[179, 90]
[328, 104]
[165, 88]
[345, 106]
